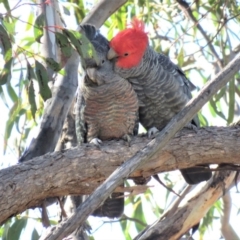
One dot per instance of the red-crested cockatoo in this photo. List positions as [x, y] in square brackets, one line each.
[162, 87]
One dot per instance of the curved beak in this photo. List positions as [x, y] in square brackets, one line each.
[111, 54]
[91, 72]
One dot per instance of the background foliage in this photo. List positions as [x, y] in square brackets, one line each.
[201, 36]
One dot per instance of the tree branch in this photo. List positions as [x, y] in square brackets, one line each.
[192, 209]
[102, 11]
[81, 170]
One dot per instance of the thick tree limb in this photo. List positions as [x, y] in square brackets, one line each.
[81, 170]
[102, 11]
[142, 156]
[191, 210]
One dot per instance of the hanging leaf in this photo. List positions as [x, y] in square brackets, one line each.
[2, 95]
[30, 89]
[6, 5]
[38, 27]
[30, 21]
[16, 228]
[64, 44]
[30, 72]
[82, 45]
[180, 57]
[31, 98]
[35, 235]
[138, 214]
[42, 78]
[6, 43]
[6, 73]
[7, 133]
[55, 66]
[11, 93]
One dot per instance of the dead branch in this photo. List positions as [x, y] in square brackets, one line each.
[192, 209]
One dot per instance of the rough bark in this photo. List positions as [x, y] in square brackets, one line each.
[81, 170]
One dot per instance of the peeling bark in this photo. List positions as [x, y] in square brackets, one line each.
[190, 211]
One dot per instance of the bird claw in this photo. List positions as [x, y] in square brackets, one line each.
[152, 132]
[192, 127]
[127, 138]
[96, 141]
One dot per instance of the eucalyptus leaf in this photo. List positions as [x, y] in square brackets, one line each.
[42, 78]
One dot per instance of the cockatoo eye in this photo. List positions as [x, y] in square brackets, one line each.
[103, 61]
[125, 54]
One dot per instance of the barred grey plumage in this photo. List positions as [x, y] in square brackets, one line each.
[107, 108]
[162, 87]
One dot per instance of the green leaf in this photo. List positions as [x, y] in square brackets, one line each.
[6, 73]
[6, 5]
[2, 95]
[16, 228]
[6, 227]
[10, 26]
[138, 214]
[38, 27]
[31, 98]
[55, 66]
[35, 235]
[6, 43]
[64, 44]
[82, 45]
[42, 78]
[8, 130]
[180, 57]
[11, 92]
[30, 73]
[214, 109]
[30, 21]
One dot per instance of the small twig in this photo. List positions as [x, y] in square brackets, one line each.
[173, 207]
[124, 218]
[188, 12]
[156, 177]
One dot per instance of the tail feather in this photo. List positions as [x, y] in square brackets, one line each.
[195, 175]
[113, 207]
